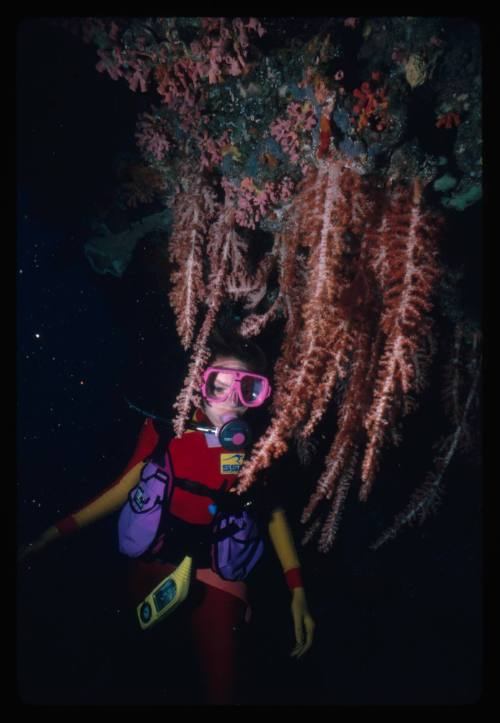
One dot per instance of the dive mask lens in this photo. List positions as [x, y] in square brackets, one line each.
[253, 390]
[217, 389]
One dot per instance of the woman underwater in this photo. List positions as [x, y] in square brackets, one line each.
[216, 608]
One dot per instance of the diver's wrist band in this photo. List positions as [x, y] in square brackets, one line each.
[294, 578]
[67, 526]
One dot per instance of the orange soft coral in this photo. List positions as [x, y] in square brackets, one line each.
[448, 120]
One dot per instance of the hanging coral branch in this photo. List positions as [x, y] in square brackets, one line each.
[356, 276]
[193, 211]
[332, 521]
[454, 376]
[408, 244]
[426, 498]
[228, 275]
[397, 256]
[341, 460]
[318, 221]
[360, 307]
[351, 276]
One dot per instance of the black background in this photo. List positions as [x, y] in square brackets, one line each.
[399, 626]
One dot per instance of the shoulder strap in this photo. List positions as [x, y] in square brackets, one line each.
[198, 488]
[220, 496]
[165, 434]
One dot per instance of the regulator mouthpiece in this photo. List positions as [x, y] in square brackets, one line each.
[234, 433]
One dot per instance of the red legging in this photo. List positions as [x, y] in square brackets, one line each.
[215, 620]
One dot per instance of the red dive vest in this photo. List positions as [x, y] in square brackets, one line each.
[192, 459]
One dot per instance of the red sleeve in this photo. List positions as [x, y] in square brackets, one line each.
[146, 442]
[145, 445]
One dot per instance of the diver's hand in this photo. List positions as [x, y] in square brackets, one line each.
[33, 548]
[303, 623]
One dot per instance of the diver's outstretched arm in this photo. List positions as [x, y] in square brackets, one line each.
[282, 539]
[31, 548]
[111, 499]
[108, 502]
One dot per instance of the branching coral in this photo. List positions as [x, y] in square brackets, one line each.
[194, 209]
[358, 310]
[371, 104]
[154, 49]
[426, 499]
[140, 184]
[227, 276]
[253, 204]
[299, 119]
[257, 140]
[153, 135]
[408, 244]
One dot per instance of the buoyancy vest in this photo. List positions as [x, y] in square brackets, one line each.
[200, 458]
[213, 466]
[186, 524]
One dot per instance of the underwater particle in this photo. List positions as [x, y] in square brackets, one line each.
[415, 70]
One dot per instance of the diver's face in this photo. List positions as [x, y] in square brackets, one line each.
[216, 410]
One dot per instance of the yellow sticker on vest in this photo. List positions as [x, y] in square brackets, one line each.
[231, 462]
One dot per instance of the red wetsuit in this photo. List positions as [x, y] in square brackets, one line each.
[217, 608]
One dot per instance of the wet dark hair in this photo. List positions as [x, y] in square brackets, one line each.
[229, 343]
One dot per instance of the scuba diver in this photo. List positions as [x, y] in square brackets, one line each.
[187, 535]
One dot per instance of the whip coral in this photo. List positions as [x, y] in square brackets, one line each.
[360, 315]
[427, 498]
[228, 275]
[408, 243]
[317, 338]
[193, 210]
[351, 275]
[357, 267]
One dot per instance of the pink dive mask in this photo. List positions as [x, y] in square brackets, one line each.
[219, 383]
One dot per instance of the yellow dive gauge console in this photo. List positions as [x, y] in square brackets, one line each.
[166, 596]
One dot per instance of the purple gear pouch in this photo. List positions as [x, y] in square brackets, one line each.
[140, 517]
[237, 546]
